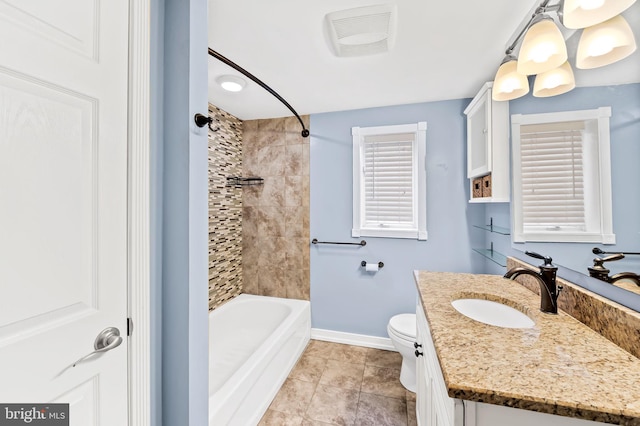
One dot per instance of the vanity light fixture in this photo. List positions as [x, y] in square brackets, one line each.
[554, 82]
[543, 47]
[231, 83]
[606, 38]
[578, 14]
[509, 83]
[605, 43]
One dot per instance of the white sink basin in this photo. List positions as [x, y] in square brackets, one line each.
[492, 313]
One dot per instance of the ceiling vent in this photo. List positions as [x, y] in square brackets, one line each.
[362, 31]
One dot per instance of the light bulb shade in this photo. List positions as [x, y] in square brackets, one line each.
[543, 48]
[585, 13]
[509, 83]
[605, 43]
[554, 82]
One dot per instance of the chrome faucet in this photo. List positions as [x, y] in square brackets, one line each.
[599, 271]
[549, 291]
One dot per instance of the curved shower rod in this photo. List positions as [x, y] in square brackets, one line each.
[305, 131]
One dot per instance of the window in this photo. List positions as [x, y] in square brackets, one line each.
[562, 177]
[389, 181]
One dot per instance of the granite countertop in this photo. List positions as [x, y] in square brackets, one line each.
[560, 366]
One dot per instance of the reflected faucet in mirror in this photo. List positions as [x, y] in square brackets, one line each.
[549, 291]
[599, 271]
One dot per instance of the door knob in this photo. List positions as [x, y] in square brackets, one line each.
[108, 339]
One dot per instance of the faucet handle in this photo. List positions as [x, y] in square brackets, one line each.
[598, 261]
[547, 259]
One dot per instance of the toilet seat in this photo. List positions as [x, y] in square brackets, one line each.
[404, 326]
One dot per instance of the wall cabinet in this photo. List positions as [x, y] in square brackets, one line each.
[435, 408]
[488, 148]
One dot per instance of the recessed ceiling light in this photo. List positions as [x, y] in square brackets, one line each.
[231, 83]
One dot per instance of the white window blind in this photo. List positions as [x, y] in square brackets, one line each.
[389, 181]
[553, 196]
[562, 177]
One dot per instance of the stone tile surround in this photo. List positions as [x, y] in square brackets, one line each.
[275, 230]
[258, 235]
[225, 208]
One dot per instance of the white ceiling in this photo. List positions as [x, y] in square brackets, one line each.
[444, 49]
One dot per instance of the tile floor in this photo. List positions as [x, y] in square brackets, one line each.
[335, 384]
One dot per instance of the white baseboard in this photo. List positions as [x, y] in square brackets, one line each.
[353, 339]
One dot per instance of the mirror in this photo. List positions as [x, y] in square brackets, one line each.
[625, 178]
[616, 85]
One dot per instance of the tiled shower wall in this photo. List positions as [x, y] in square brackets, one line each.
[275, 230]
[225, 208]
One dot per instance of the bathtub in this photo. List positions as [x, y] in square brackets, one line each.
[254, 343]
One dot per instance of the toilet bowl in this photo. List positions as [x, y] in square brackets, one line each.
[402, 332]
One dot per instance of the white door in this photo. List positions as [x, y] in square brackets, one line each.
[63, 204]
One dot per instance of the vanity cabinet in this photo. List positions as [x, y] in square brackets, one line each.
[488, 148]
[434, 407]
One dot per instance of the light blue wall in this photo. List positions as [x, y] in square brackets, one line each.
[184, 204]
[625, 176]
[343, 297]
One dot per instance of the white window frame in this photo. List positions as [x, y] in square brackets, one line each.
[600, 201]
[419, 230]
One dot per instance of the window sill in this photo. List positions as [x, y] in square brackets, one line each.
[564, 237]
[390, 233]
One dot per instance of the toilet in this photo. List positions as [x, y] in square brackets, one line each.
[402, 332]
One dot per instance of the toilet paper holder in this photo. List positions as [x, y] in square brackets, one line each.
[364, 263]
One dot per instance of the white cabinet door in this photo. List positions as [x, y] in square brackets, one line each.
[423, 391]
[63, 204]
[478, 136]
[440, 418]
[434, 406]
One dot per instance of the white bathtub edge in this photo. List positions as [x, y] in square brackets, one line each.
[279, 379]
[246, 396]
[353, 339]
